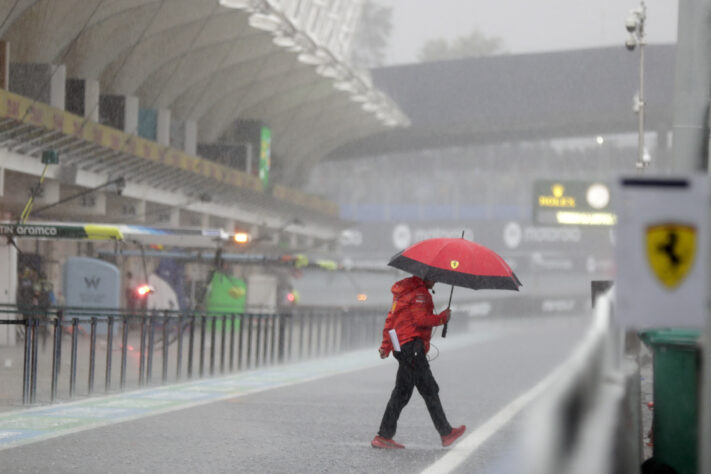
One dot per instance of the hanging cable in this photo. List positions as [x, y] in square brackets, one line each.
[120, 67]
[36, 189]
[28, 207]
[30, 202]
[191, 46]
[7, 17]
[63, 57]
[431, 358]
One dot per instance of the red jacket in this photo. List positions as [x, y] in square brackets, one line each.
[411, 314]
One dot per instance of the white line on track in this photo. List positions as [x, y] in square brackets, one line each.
[469, 444]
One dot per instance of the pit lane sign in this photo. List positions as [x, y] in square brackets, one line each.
[661, 251]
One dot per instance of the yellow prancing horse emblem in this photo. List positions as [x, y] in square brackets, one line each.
[454, 264]
[671, 249]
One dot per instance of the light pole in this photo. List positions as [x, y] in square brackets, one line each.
[635, 27]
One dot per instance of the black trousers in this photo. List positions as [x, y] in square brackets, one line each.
[413, 371]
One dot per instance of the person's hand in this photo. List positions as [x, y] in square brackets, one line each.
[446, 314]
[383, 353]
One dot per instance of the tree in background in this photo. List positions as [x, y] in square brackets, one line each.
[371, 36]
[474, 44]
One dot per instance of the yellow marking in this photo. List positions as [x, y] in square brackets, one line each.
[102, 232]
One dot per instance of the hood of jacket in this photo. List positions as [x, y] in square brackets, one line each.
[407, 285]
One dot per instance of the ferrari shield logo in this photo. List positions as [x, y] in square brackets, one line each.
[454, 264]
[671, 249]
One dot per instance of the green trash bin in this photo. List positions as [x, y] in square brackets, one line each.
[676, 389]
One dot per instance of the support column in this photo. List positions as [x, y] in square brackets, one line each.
[131, 117]
[58, 86]
[183, 136]
[91, 99]
[163, 127]
[4, 64]
[692, 86]
[191, 137]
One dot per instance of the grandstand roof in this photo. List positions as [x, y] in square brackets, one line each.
[521, 97]
[208, 63]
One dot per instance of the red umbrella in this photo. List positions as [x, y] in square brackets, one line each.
[457, 262]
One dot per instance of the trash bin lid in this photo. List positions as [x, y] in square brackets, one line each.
[670, 336]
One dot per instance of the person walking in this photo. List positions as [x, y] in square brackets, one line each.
[409, 325]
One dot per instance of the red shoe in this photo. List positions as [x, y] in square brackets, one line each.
[452, 437]
[385, 443]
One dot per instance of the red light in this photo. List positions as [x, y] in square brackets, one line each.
[290, 297]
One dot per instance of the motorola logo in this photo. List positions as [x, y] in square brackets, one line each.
[512, 235]
[402, 236]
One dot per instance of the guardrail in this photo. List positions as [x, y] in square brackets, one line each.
[587, 418]
[189, 345]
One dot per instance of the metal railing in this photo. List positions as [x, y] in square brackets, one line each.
[587, 419]
[182, 345]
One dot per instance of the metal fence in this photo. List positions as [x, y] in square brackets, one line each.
[62, 346]
[587, 418]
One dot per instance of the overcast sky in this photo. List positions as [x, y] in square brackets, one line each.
[524, 25]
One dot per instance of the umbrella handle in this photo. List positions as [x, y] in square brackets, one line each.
[451, 291]
[444, 329]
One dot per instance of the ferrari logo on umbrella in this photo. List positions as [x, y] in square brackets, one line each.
[671, 249]
[454, 264]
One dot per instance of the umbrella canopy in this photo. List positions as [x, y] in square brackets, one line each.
[457, 262]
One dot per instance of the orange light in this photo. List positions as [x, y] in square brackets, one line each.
[241, 237]
[143, 290]
[362, 297]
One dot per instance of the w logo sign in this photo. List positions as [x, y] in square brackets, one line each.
[92, 282]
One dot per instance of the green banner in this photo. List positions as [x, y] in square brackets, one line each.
[265, 156]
